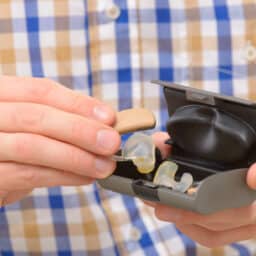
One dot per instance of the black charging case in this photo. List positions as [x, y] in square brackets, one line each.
[213, 137]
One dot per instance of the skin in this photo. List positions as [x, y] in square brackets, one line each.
[51, 136]
[212, 230]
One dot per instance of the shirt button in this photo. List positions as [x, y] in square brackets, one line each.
[250, 52]
[135, 234]
[113, 11]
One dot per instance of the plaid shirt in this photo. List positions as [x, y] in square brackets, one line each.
[88, 46]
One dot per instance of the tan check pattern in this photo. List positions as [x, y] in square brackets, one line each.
[94, 219]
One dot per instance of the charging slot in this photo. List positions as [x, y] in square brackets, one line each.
[146, 190]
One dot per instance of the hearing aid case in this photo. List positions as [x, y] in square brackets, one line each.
[213, 137]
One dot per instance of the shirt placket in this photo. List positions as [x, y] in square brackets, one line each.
[118, 58]
[115, 54]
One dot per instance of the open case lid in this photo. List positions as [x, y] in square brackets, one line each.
[209, 129]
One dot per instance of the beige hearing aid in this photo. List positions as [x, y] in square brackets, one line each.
[134, 119]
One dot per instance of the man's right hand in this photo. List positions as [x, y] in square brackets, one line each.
[51, 136]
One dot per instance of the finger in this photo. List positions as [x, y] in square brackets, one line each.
[230, 219]
[176, 215]
[251, 177]
[20, 177]
[227, 219]
[3, 195]
[48, 92]
[38, 150]
[149, 203]
[213, 239]
[15, 196]
[159, 139]
[86, 133]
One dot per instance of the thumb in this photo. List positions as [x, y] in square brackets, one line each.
[251, 177]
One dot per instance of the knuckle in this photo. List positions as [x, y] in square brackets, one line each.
[42, 89]
[29, 176]
[77, 128]
[77, 103]
[22, 146]
[78, 160]
[75, 159]
[29, 117]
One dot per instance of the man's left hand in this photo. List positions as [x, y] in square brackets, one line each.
[212, 230]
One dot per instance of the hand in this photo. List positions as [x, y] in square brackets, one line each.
[51, 136]
[215, 229]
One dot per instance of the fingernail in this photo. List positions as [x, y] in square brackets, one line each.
[102, 112]
[104, 166]
[107, 139]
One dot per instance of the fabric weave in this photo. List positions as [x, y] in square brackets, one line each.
[199, 43]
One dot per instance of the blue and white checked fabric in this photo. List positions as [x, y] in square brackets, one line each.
[199, 43]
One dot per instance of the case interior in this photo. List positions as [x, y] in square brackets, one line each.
[195, 117]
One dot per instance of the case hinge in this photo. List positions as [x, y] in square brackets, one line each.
[200, 97]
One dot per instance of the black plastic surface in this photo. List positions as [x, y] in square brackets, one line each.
[211, 134]
[220, 136]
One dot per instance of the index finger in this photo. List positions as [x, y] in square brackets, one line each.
[229, 218]
[47, 92]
